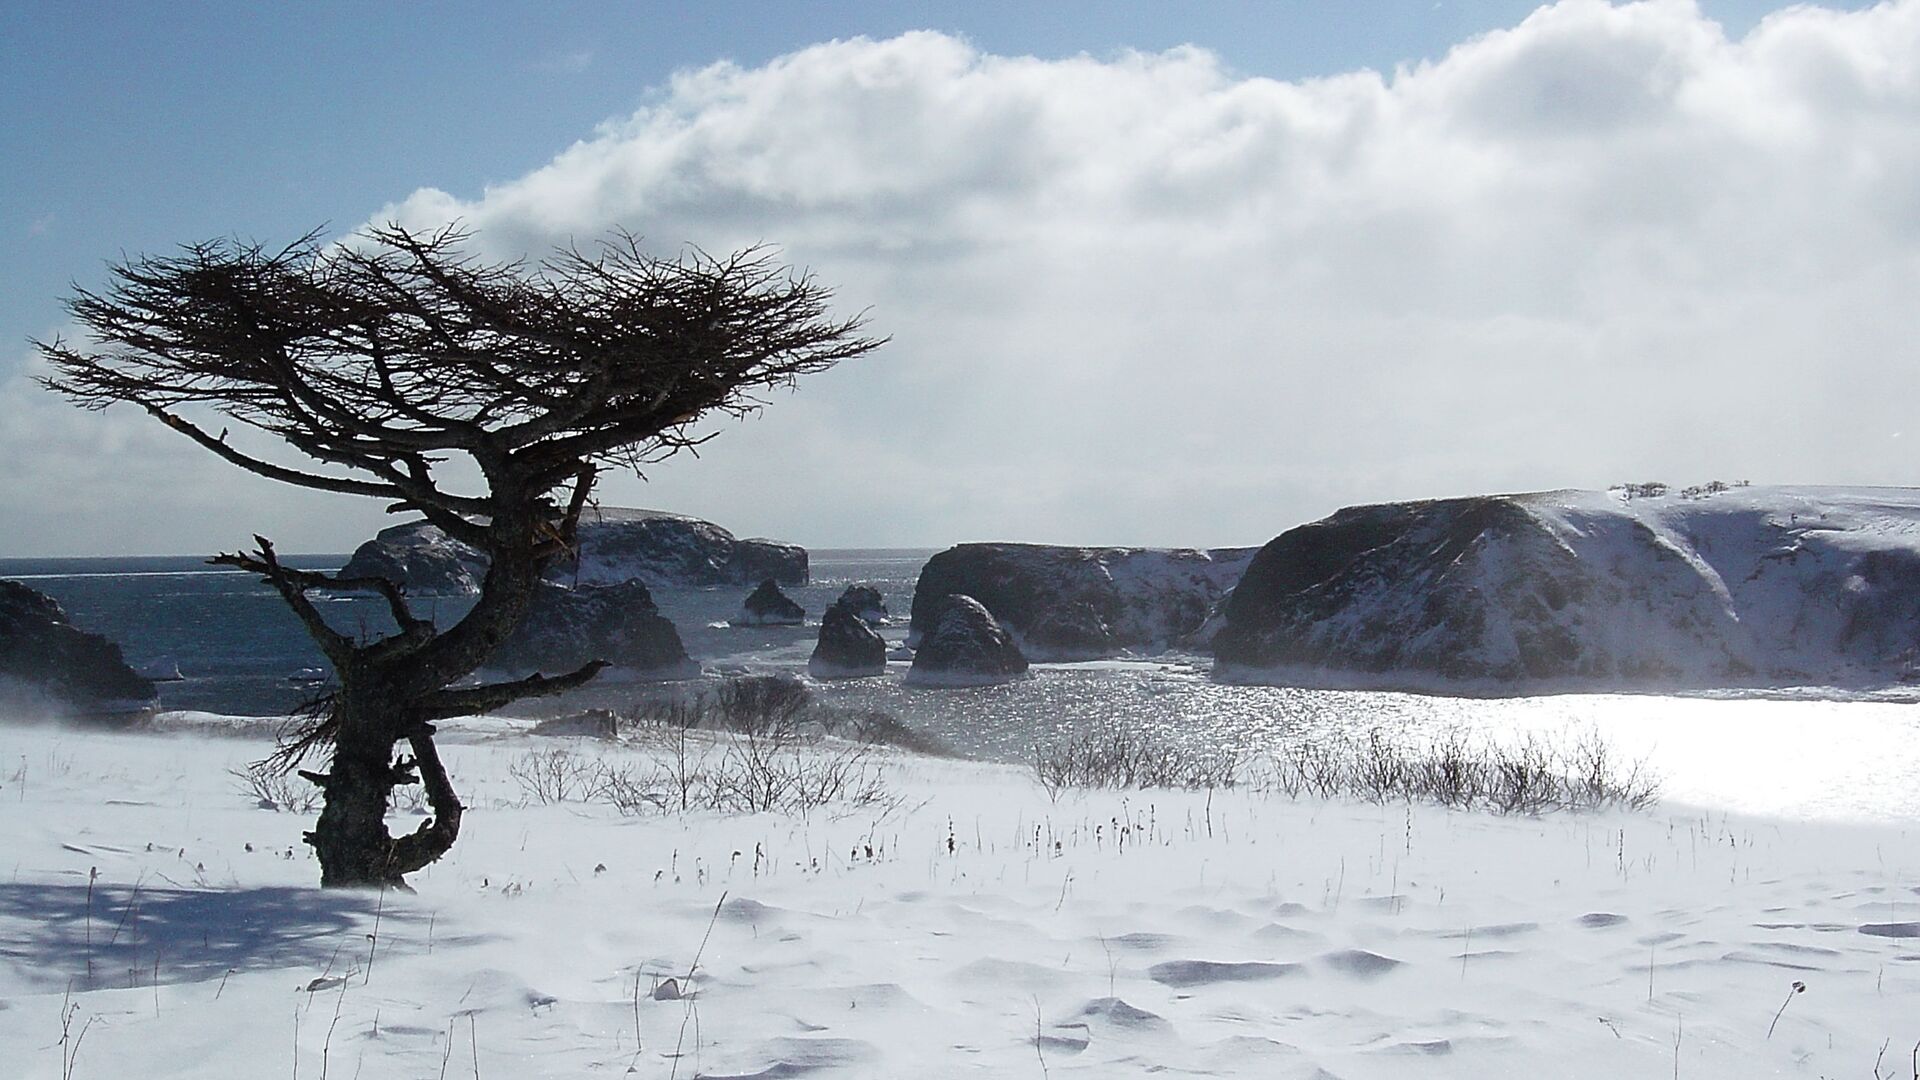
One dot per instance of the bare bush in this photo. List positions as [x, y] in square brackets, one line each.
[760, 703]
[1532, 775]
[1115, 756]
[272, 790]
[553, 776]
[754, 744]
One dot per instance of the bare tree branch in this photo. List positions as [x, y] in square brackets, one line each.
[288, 583]
[470, 700]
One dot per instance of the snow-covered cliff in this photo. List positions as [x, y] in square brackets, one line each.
[615, 545]
[1067, 603]
[1744, 587]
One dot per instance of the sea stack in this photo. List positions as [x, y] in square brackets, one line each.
[965, 646]
[848, 647]
[768, 606]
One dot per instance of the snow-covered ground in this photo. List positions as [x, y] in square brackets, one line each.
[170, 927]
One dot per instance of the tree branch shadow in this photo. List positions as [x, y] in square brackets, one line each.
[124, 936]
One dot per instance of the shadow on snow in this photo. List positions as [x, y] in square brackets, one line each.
[123, 937]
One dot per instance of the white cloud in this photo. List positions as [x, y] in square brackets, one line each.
[116, 482]
[1148, 299]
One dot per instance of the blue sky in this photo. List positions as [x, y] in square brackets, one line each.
[132, 127]
[136, 126]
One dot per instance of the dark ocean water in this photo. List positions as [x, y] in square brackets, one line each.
[240, 651]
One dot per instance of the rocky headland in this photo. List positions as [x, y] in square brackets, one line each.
[1631, 589]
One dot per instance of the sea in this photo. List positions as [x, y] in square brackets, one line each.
[1804, 755]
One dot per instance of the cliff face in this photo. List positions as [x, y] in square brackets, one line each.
[1749, 587]
[46, 663]
[615, 545]
[1066, 603]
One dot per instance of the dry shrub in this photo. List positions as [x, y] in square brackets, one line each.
[1529, 775]
[1115, 756]
[753, 744]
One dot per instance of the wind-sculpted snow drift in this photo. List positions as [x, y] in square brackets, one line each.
[1067, 603]
[615, 545]
[1740, 588]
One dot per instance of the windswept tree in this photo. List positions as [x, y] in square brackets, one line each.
[392, 366]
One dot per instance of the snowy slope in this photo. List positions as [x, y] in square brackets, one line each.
[981, 929]
[1747, 587]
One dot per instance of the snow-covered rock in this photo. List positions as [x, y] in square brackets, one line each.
[420, 559]
[616, 545]
[566, 628]
[866, 602]
[47, 665]
[766, 605]
[1742, 587]
[1067, 603]
[964, 646]
[848, 648]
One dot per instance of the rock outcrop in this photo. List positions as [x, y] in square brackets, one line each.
[566, 628]
[1730, 588]
[1066, 603]
[866, 602]
[848, 648]
[589, 724]
[964, 645]
[616, 545]
[49, 666]
[766, 605]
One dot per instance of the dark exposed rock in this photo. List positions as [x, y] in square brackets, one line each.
[866, 602]
[964, 646]
[766, 605]
[848, 648]
[616, 545]
[588, 724]
[46, 663]
[567, 628]
[1066, 603]
[1585, 590]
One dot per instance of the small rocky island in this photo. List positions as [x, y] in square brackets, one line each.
[565, 628]
[1631, 589]
[848, 647]
[1068, 603]
[616, 545]
[766, 605]
[964, 646]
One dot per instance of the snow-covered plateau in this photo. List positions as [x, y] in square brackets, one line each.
[155, 921]
[1630, 589]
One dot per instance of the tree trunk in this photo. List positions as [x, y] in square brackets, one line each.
[385, 698]
[351, 837]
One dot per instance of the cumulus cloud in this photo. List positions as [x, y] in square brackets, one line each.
[1146, 298]
[113, 483]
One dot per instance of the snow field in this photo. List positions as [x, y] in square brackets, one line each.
[973, 927]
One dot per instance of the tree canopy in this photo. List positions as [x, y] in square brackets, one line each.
[387, 360]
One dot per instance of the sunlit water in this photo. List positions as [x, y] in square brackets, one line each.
[1800, 758]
